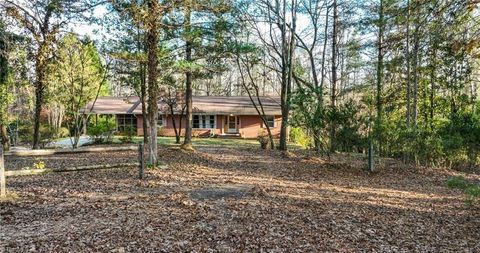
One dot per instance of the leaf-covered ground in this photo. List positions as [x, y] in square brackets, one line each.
[284, 203]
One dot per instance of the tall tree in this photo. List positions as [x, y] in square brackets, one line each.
[76, 76]
[187, 143]
[152, 33]
[202, 30]
[43, 20]
[333, 92]
[280, 18]
[4, 87]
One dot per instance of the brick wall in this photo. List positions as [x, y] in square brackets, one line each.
[250, 126]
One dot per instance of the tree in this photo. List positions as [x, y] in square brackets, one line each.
[5, 97]
[204, 28]
[308, 97]
[175, 101]
[43, 20]
[333, 93]
[280, 18]
[152, 34]
[76, 77]
[148, 15]
[247, 59]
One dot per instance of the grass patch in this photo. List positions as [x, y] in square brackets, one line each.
[472, 191]
[208, 142]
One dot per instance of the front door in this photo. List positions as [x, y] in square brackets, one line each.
[232, 124]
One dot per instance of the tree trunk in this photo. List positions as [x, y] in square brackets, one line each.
[4, 136]
[407, 56]
[416, 45]
[39, 88]
[152, 42]
[288, 49]
[174, 123]
[379, 101]
[187, 143]
[3, 184]
[333, 95]
[143, 100]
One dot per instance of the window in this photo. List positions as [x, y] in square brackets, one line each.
[126, 122]
[161, 121]
[270, 121]
[204, 121]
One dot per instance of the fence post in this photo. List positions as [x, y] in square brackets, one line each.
[3, 187]
[141, 161]
[370, 156]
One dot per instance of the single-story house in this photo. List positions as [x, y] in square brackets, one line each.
[212, 115]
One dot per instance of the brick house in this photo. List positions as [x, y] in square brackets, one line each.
[212, 115]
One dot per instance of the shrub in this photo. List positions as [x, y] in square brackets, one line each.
[161, 131]
[461, 138]
[298, 136]
[457, 182]
[129, 133]
[47, 135]
[63, 132]
[102, 132]
[472, 191]
[25, 132]
[40, 165]
[263, 139]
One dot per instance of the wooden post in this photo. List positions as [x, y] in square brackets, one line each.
[3, 187]
[141, 161]
[370, 155]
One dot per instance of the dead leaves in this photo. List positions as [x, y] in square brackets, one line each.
[291, 203]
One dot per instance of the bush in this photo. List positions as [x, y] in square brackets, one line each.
[102, 132]
[457, 182]
[472, 191]
[63, 132]
[161, 131]
[298, 136]
[461, 138]
[40, 165]
[263, 139]
[47, 135]
[25, 133]
[129, 133]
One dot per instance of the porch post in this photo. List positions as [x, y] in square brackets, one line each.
[223, 124]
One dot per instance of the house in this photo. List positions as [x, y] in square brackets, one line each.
[212, 115]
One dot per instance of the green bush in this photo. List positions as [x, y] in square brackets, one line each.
[129, 133]
[47, 135]
[472, 191]
[298, 136]
[457, 182]
[102, 132]
[25, 132]
[461, 138]
[63, 132]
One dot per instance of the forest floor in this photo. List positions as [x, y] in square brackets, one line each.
[230, 200]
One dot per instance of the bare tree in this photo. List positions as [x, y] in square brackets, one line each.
[281, 20]
[250, 84]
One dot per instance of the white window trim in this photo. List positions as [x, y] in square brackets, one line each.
[164, 120]
[274, 123]
[135, 123]
[205, 114]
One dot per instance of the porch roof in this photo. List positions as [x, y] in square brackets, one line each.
[238, 105]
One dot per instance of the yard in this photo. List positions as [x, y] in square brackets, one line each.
[227, 199]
